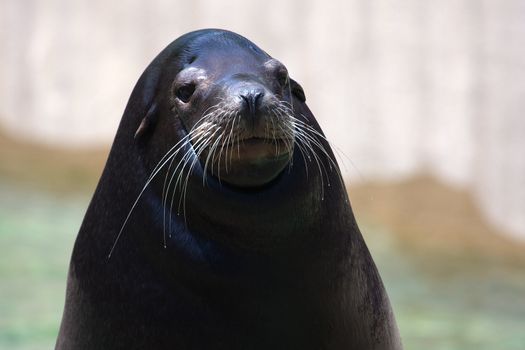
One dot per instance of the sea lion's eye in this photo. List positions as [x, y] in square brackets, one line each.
[185, 92]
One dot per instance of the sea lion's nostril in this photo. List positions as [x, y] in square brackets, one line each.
[252, 101]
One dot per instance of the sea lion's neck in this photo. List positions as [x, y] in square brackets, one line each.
[288, 213]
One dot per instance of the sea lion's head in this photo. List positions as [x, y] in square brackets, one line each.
[234, 100]
[221, 128]
[236, 106]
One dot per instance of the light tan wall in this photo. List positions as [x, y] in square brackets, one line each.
[400, 86]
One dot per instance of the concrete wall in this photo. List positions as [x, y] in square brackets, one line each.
[401, 87]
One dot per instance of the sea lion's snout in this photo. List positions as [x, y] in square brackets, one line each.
[253, 103]
[254, 136]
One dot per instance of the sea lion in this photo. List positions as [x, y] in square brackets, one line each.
[220, 220]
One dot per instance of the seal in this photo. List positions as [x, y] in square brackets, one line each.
[220, 220]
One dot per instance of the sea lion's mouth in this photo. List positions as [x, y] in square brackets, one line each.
[256, 148]
[249, 162]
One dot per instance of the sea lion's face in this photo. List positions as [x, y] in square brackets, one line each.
[235, 104]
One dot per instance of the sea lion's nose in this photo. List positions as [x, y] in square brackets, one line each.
[252, 100]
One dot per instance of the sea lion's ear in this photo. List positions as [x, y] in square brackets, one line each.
[297, 90]
[147, 89]
[147, 122]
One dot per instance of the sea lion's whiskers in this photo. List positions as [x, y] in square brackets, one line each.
[183, 163]
[286, 129]
[229, 139]
[166, 184]
[187, 138]
[196, 133]
[165, 199]
[217, 127]
[227, 146]
[197, 150]
[273, 136]
[202, 137]
[315, 133]
[266, 125]
[289, 139]
[164, 160]
[216, 157]
[341, 154]
[307, 131]
[231, 117]
[184, 190]
[164, 194]
[210, 141]
[281, 128]
[301, 137]
[222, 145]
[210, 154]
[289, 131]
[199, 139]
[312, 140]
[167, 155]
[282, 114]
[287, 104]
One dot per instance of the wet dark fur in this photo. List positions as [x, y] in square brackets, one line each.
[278, 267]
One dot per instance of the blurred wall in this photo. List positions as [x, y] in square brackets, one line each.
[401, 87]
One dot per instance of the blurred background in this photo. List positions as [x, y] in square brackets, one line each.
[423, 99]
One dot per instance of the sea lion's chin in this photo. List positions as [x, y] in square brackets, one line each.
[250, 163]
